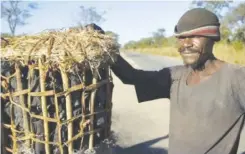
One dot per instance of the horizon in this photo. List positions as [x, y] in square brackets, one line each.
[131, 20]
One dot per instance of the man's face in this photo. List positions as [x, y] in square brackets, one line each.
[194, 50]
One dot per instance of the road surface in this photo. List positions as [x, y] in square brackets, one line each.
[143, 128]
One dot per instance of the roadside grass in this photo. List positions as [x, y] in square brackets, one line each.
[223, 52]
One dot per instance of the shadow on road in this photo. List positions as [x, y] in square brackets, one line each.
[143, 148]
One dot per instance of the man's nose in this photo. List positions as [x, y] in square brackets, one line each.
[187, 42]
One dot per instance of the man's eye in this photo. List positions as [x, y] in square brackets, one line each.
[181, 37]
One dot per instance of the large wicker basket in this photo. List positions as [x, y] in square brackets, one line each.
[55, 100]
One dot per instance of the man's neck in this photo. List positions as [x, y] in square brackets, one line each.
[209, 67]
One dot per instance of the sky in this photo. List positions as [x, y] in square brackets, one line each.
[131, 20]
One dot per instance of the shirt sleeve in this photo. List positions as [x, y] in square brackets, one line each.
[239, 85]
[149, 85]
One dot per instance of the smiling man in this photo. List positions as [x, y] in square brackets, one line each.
[207, 95]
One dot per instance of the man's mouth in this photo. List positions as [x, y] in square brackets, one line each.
[189, 51]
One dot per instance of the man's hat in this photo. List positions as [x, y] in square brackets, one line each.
[198, 22]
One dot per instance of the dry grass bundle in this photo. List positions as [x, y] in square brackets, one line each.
[63, 48]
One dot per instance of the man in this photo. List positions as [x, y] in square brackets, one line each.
[207, 95]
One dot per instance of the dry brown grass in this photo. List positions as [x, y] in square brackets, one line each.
[62, 47]
[229, 54]
[222, 51]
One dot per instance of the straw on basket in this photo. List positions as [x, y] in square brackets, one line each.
[64, 48]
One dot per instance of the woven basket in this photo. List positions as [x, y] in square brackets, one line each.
[53, 99]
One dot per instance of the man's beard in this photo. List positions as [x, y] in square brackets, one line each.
[195, 66]
[199, 63]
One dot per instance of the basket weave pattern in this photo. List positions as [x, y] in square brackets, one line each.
[57, 97]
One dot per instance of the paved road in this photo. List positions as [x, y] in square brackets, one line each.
[143, 128]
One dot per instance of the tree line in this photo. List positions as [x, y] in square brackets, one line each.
[17, 12]
[232, 22]
[232, 26]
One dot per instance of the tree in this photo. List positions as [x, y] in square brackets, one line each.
[16, 15]
[159, 37]
[90, 15]
[160, 33]
[215, 6]
[236, 21]
[131, 45]
[145, 42]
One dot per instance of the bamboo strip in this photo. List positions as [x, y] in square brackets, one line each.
[55, 120]
[44, 142]
[68, 109]
[66, 143]
[17, 93]
[34, 115]
[87, 115]
[9, 150]
[51, 92]
[91, 127]
[43, 118]
[66, 121]
[7, 78]
[83, 101]
[72, 89]
[42, 74]
[35, 139]
[44, 93]
[58, 122]
[27, 91]
[10, 127]
[4, 77]
[3, 139]
[29, 100]
[22, 103]
[22, 138]
[96, 85]
[13, 128]
[81, 86]
[69, 141]
[82, 134]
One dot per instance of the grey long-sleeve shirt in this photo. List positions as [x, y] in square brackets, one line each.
[204, 118]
